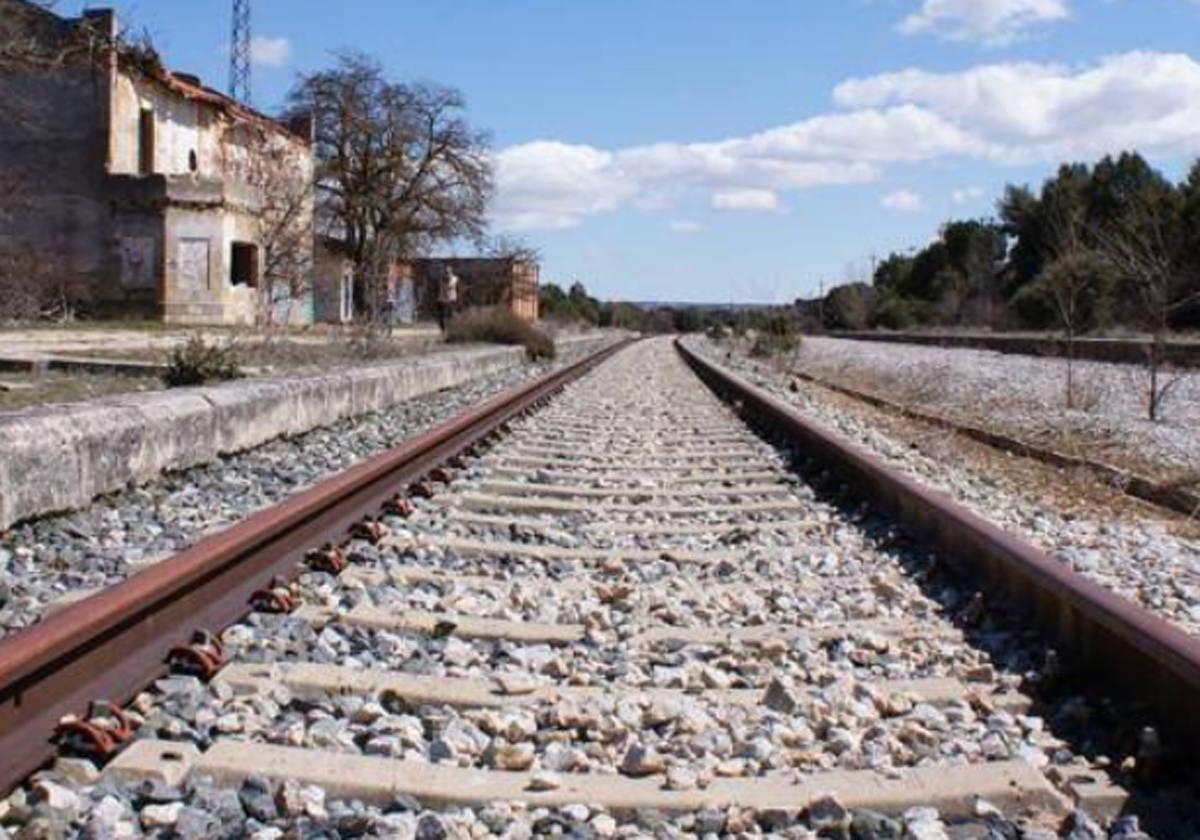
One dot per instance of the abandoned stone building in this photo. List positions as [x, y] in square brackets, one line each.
[149, 193]
[412, 285]
[142, 193]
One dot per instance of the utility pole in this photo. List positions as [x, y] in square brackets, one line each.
[239, 52]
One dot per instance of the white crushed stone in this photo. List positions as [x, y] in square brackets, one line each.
[1026, 393]
[827, 709]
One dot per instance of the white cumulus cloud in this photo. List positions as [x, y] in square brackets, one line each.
[1000, 113]
[990, 22]
[270, 52]
[551, 184]
[547, 184]
[1025, 111]
[754, 200]
[904, 201]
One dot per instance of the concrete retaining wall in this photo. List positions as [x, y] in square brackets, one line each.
[571, 347]
[1121, 350]
[56, 458]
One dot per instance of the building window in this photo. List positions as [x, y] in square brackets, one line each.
[243, 264]
[193, 161]
[346, 309]
[146, 142]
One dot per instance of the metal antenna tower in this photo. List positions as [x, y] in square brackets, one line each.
[239, 52]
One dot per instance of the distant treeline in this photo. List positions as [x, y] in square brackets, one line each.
[1110, 245]
[575, 304]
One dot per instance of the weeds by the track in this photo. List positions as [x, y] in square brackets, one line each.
[498, 325]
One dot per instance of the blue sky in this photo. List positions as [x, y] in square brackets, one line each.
[711, 151]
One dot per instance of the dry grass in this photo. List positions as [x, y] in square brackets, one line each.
[1087, 394]
[927, 383]
[498, 325]
[199, 362]
[28, 390]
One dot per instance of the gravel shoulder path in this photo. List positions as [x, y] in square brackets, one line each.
[1023, 396]
[1145, 555]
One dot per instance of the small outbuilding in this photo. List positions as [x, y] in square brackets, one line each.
[412, 285]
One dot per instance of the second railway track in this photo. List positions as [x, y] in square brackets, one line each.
[629, 615]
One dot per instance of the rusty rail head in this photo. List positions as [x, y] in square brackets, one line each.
[112, 644]
[1125, 647]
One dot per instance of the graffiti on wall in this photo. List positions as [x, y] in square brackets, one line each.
[137, 262]
[193, 265]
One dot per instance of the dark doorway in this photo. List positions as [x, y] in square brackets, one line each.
[243, 264]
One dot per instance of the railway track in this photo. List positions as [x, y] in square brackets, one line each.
[622, 613]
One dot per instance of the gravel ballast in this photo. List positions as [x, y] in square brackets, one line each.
[1137, 557]
[58, 558]
[44, 560]
[820, 593]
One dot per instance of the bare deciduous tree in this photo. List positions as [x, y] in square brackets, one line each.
[512, 248]
[1072, 281]
[281, 181]
[1150, 249]
[398, 166]
[1074, 276]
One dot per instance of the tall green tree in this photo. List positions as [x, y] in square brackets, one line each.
[1189, 191]
[1020, 217]
[969, 291]
[1037, 223]
[1121, 188]
[892, 275]
[586, 307]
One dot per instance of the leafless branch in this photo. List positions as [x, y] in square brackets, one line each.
[280, 178]
[1149, 248]
[398, 167]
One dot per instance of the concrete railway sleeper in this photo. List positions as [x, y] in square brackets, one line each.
[619, 614]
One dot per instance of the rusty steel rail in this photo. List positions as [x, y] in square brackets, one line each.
[1123, 647]
[112, 644]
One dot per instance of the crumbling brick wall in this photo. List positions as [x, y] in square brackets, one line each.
[53, 116]
[138, 184]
